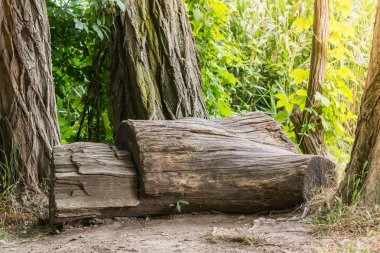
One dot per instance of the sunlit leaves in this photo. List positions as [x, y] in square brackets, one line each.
[198, 16]
[78, 24]
[346, 74]
[283, 101]
[98, 31]
[300, 75]
[220, 10]
[302, 24]
[297, 98]
[224, 108]
[302, 93]
[255, 55]
[224, 63]
[344, 7]
[324, 101]
[247, 51]
[347, 50]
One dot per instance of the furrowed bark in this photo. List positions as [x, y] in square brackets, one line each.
[362, 174]
[28, 119]
[155, 71]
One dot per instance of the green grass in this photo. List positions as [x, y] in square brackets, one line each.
[349, 220]
[3, 233]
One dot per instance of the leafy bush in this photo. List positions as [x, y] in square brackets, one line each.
[80, 39]
[256, 54]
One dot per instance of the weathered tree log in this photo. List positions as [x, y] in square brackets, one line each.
[238, 165]
[91, 180]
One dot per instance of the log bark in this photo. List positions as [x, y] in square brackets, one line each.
[312, 142]
[91, 180]
[155, 72]
[236, 165]
[28, 119]
[362, 176]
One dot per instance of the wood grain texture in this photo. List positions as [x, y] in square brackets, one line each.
[241, 164]
[91, 180]
[237, 165]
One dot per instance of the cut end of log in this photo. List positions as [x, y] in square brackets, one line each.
[320, 172]
[89, 180]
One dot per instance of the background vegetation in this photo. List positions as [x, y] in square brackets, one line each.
[255, 55]
[80, 53]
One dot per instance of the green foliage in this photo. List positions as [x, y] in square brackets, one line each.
[256, 54]
[3, 233]
[348, 50]
[180, 201]
[247, 51]
[80, 39]
[9, 174]
[343, 219]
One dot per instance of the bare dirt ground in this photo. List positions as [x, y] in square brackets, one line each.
[190, 233]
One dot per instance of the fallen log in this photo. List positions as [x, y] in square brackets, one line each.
[241, 164]
[237, 165]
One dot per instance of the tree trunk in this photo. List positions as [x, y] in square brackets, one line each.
[28, 119]
[312, 142]
[155, 71]
[362, 175]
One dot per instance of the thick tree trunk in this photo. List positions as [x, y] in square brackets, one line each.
[155, 71]
[236, 165]
[28, 119]
[363, 171]
[312, 141]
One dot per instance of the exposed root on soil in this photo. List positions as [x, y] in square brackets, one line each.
[238, 235]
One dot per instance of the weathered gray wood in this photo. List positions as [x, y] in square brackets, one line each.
[237, 165]
[91, 180]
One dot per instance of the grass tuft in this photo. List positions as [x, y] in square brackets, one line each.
[349, 220]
